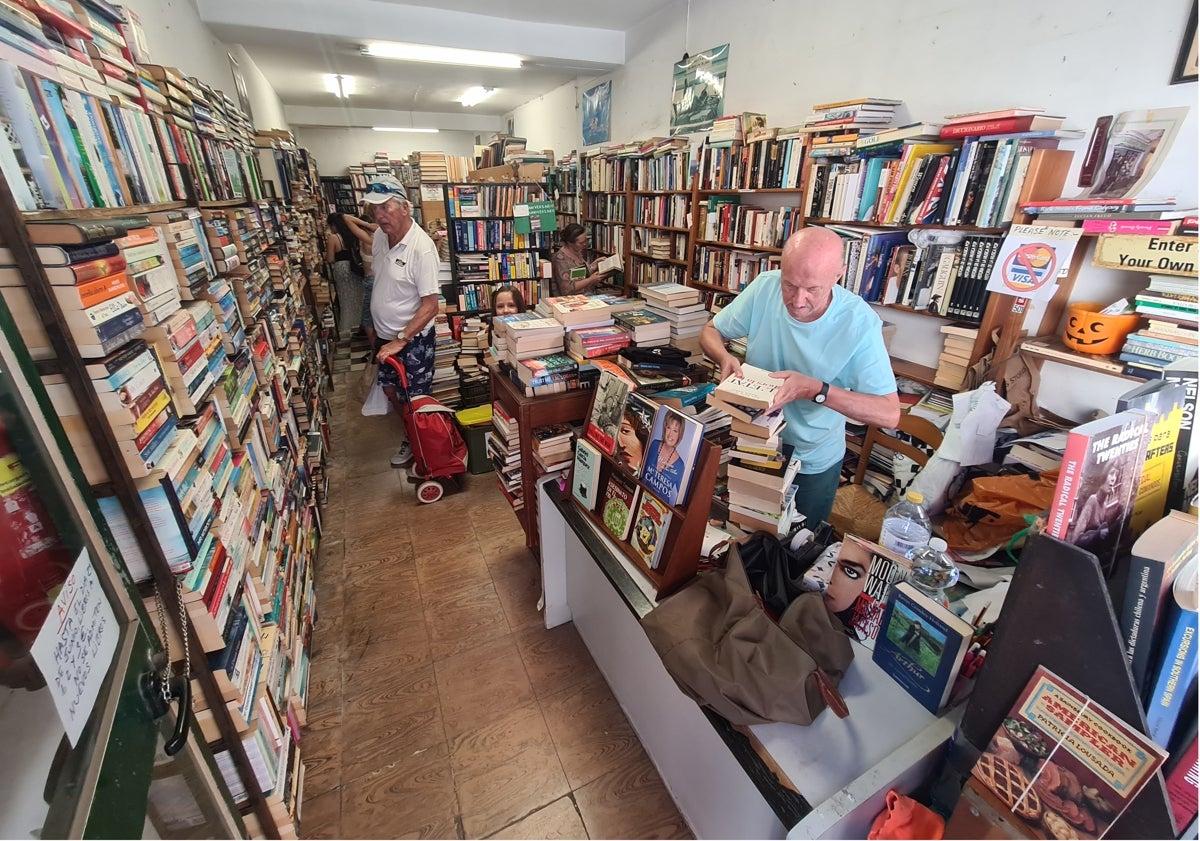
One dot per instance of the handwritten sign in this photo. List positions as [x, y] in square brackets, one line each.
[1031, 260]
[75, 647]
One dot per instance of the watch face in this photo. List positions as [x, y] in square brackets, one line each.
[822, 394]
[820, 398]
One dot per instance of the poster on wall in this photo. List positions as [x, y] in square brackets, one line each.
[597, 113]
[239, 86]
[698, 90]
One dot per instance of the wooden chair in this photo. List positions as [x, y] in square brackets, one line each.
[858, 511]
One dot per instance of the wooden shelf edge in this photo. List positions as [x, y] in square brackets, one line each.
[102, 212]
[923, 374]
[1060, 353]
[644, 256]
[766, 249]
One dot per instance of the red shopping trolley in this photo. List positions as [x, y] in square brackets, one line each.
[439, 452]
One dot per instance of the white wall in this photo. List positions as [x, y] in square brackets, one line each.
[264, 102]
[337, 148]
[1079, 58]
[551, 121]
[178, 38]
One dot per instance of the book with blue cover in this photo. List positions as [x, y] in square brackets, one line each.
[671, 455]
[921, 645]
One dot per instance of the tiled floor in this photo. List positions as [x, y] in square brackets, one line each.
[439, 705]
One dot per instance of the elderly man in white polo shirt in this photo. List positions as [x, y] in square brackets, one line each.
[404, 299]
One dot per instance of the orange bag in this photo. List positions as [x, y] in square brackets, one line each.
[994, 510]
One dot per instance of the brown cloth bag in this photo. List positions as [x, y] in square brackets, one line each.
[726, 653]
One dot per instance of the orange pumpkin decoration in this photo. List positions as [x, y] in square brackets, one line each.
[1090, 332]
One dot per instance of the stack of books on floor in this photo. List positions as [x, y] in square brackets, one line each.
[551, 446]
[1169, 329]
[955, 357]
[445, 353]
[473, 336]
[646, 328]
[504, 449]
[591, 342]
[682, 307]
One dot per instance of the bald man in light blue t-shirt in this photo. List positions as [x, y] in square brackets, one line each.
[825, 344]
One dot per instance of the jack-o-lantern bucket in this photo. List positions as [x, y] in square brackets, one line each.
[1090, 332]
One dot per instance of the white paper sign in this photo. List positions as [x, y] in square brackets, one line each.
[1032, 259]
[75, 647]
[431, 192]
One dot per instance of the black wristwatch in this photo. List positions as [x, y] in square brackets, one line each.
[822, 395]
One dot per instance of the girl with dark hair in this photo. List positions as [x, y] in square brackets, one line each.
[338, 242]
[506, 300]
[573, 272]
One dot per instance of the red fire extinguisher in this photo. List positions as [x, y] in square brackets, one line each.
[33, 560]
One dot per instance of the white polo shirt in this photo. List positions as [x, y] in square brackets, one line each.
[404, 274]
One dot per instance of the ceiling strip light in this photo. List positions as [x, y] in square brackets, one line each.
[442, 55]
[340, 86]
[413, 130]
[476, 95]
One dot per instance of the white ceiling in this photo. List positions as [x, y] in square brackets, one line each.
[295, 44]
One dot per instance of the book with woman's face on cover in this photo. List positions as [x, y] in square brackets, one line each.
[671, 455]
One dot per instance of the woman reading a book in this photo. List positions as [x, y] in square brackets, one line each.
[663, 470]
[573, 272]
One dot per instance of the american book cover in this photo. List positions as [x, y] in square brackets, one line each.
[921, 645]
[1064, 765]
[1097, 485]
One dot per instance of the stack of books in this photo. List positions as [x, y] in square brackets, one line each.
[955, 357]
[551, 447]
[646, 328]
[526, 335]
[1169, 332]
[504, 448]
[550, 374]
[445, 353]
[577, 311]
[682, 307]
[747, 400]
[591, 342]
[1042, 451]
[761, 493]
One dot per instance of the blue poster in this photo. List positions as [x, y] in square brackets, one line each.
[597, 113]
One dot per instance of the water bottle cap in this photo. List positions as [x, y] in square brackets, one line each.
[938, 544]
[915, 497]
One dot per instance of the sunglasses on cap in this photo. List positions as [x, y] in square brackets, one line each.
[378, 187]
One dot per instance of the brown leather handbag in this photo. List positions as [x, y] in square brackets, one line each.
[726, 653]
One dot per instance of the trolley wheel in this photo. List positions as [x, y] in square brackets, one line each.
[430, 491]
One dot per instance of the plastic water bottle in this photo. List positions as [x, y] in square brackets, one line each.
[906, 526]
[934, 571]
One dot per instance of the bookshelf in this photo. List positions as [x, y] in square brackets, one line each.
[233, 434]
[562, 183]
[485, 248]
[685, 533]
[605, 183]
[531, 413]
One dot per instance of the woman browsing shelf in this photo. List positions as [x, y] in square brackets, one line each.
[338, 242]
[363, 230]
[573, 272]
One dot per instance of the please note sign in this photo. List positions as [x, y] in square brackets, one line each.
[75, 646]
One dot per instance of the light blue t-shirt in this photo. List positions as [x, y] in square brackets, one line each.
[844, 347]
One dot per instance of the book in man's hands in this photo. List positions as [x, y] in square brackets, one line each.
[1064, 765]
[921, 645]
[754, 389]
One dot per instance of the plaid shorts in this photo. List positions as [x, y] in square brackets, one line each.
[417, 357]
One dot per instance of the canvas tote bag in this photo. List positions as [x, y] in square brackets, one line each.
[726, 653]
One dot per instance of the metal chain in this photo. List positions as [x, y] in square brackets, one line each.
[164, 675]
[183, 630]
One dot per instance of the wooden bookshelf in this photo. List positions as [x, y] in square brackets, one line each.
[680, 555]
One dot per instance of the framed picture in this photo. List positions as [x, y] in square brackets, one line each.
[698, 90]
[239, 84]
[1185, 64]
[597, 113]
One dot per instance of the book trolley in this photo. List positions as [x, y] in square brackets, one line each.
[685, 533]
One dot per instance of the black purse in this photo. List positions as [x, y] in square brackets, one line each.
[775, 572]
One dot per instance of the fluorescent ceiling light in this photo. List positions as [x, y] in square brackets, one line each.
[441, 55]
[340, 86]
[397, 128]
[476, 95]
